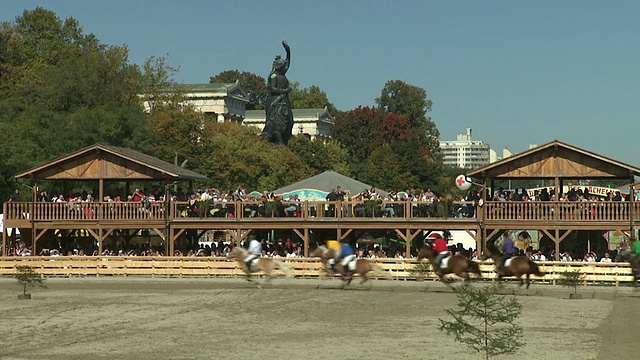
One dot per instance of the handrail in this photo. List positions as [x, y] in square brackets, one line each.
[566, 211]
[398, 269]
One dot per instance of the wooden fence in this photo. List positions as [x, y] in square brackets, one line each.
[397, 269]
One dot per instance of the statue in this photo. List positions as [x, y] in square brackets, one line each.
[279, 118]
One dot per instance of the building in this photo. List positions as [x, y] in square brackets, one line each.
[221, 101]
[313, 122]
[465, 152]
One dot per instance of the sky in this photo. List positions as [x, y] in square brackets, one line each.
[515, 72]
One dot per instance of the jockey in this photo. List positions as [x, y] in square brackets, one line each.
[508, 250]
[347, 255]
[255, 251]
[440, 247]
[336, 247]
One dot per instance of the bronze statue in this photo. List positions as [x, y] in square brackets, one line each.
[279, 118]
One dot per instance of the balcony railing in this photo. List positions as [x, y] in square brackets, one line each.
[562, 210]
[605, 211]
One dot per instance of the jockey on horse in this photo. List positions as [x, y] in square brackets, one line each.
[442, 251]
[255, 251]
[632, 255]
[508, 250]
[336, 247]
[347, 255]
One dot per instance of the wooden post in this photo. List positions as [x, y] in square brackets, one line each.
[306, 242]
[4, 231]
[408, 243]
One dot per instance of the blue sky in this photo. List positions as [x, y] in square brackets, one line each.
[516, 72]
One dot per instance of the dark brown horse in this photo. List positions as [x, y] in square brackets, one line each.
[362, 266]
[628, 257]
[515, 266]
[456, 264]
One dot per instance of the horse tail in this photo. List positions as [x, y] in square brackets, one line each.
[285, 269]
[535, 269]
[378, 271]
[474, 267]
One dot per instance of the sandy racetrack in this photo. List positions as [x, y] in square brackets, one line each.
[143, 318]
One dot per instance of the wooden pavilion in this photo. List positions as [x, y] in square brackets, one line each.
[560, 163]
[95, 163]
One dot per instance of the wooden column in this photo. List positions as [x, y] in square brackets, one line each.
[306, 242]
[4, 232]
[407, 240]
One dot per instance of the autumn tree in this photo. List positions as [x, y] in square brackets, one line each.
[254, 85]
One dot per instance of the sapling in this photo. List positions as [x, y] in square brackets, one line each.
[28, 278]
[485, 321]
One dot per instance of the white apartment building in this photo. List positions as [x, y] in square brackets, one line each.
[465, 152]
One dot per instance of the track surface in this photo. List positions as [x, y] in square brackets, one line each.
[144, 318]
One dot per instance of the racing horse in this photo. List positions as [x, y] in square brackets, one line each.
[362, 267]
[627, 256]
[456, 264]
[266, 265]
[515, 266]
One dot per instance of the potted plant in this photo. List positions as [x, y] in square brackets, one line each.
[28, 278]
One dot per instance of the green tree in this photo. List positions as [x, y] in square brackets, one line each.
[254, 85]
[485, 321]
[385, 169]
[175, 127]
[310, 98]
[28, 278]
[62, 90]
[320, 154]
[232, 155]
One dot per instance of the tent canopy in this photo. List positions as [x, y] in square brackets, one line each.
[317, 187]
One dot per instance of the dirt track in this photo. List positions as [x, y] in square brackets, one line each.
[138, 318]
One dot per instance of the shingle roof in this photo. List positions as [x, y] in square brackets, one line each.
[162, 168]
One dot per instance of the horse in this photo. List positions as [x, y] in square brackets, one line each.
[456, 264]
[362, 266]
[628, 257]
[266, 265]
[514, 266]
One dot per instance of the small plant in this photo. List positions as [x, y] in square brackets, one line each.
[28, 278]
[571, 279]
[484, 321]
[420, 269]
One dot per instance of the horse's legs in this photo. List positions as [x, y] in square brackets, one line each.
[528, 280]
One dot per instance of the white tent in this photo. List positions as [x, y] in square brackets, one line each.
[317, 187]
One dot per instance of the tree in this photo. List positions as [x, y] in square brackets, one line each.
[485, 321]
[400, 98]
[62, 90]
[28, 278]
[254, 85]
[385, 169]
[232, 155]
[320, 154]
[310, 98]
[175, 126]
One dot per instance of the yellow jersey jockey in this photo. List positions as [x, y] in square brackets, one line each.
[335, 246]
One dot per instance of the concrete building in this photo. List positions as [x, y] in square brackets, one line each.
[221, 101]
[313, 122]
[465, 152]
